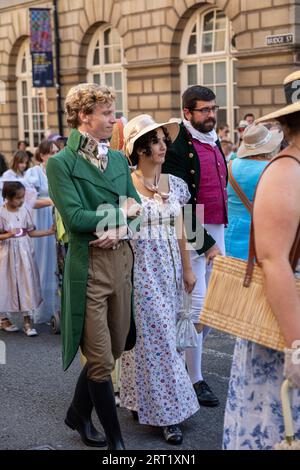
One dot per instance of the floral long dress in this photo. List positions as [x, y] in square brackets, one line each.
[154, 380]
[253, 415]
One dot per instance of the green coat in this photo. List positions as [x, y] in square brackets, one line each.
[77, 188]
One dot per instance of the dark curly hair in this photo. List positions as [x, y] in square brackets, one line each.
[196, 93]
[11, 188]
[144, 142]
[291, 121]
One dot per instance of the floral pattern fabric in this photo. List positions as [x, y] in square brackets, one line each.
[253, 415]
[154, 380]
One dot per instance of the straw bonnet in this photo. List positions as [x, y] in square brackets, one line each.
[257, 140]
[291, 86]
[141, 125]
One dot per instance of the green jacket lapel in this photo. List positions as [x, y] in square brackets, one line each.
[85, 170]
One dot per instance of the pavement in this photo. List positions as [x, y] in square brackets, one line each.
[35, 394]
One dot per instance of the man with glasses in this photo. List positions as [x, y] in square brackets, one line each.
[196, 157]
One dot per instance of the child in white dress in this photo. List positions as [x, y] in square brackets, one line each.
[20, 282]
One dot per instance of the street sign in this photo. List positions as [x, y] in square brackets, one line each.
[280, 39]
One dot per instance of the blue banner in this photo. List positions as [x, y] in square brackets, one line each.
[41, 47]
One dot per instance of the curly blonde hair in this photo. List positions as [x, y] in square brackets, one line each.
[85, 97]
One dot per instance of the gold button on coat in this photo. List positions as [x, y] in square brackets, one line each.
[192, 172]
[191, 155]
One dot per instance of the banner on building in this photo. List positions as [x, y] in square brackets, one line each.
[41, 47]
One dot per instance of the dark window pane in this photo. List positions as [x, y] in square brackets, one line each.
[24, 88]
[208, 74]
[107, 37]
[118, 81]
[25, 105]
[221, 72]
[23, 66]
[96, 78]
[220, 20]
[108, 56]
[209, 21]
[207, 39]
[192, 74]
[192, 45]
[109, 79]
[36, 139]
[222, 116]
[119, 100]
[221, 95]
[96, 58]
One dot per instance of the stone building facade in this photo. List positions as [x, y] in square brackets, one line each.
[150, 50]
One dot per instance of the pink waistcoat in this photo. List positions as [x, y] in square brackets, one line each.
[212, 191]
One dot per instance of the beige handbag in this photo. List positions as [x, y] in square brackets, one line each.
[235, 302]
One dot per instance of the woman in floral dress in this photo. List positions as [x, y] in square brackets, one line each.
[253, 415]
[154, 380]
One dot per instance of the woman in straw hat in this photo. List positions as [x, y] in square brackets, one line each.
[253, 417]
[258, 147]
[154, 380]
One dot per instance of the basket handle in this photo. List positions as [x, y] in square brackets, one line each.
[287, 411]
[295, 251]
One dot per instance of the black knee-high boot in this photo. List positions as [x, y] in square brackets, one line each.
[79, 414]
[103, 398]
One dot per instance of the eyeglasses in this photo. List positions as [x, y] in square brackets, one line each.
[213, 109]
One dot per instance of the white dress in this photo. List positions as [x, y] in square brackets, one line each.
[45, 247]
[154, 380]
[20, 282]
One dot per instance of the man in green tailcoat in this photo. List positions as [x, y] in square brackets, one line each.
[92, 189]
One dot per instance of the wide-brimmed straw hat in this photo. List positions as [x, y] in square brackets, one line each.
[258, 140]
[141, 125]
[291, 86]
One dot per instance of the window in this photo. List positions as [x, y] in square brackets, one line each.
[32, 109]
[105, 64]
[207, 60]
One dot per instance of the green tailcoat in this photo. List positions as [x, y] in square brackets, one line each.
[77, 189]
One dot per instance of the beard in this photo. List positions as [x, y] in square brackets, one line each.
[205, 126]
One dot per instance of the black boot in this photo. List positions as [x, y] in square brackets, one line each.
[79, 414]
[103, 398]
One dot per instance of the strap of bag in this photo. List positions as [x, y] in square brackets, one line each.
[238, 189]
[295, 251]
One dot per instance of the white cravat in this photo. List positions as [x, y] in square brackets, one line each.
[206, 138]
[102, 154]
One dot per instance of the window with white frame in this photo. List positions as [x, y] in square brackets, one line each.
[32, 111]
[105, 64]
[207, 60]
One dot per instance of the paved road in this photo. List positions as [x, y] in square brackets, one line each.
[35, 394]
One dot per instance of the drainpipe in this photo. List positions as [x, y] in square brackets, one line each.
[57, 62]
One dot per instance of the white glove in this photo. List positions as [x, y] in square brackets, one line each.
[291, 369]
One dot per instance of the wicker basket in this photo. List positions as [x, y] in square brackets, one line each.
[238, 310]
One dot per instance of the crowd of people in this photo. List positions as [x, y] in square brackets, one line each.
[135, 253]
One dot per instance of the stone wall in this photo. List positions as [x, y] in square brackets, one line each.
[151, 31]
